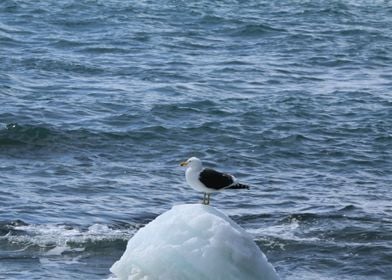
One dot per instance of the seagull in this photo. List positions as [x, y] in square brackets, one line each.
[208, 180]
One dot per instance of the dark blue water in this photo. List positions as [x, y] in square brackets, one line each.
[101, 100]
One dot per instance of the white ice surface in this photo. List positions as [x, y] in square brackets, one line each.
[193, 241]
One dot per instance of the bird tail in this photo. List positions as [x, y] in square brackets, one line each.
[239, 186]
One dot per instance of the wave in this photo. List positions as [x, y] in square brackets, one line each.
[14, 134]
[49, 137]
[255, 30]
[57, 239]
[297, 234]
[52, 64]
[45, 135]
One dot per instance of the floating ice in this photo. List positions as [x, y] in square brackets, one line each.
[193, 241]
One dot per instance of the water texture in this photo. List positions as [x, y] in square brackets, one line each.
[101, 100]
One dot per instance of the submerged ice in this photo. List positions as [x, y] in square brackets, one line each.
[193, 241]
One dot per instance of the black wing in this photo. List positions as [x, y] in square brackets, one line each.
[215, 180]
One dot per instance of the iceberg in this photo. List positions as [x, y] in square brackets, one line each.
[193, 241]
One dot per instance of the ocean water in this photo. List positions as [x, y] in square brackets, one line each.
[101, 100]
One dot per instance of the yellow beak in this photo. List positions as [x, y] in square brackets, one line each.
[184, 163]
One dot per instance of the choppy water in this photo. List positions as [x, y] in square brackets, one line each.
[100, 101]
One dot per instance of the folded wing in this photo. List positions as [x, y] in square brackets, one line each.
[215, 180]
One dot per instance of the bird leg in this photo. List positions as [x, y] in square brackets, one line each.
[205, 199]
[208, 199]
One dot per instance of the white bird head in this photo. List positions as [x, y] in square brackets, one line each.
[192, 162]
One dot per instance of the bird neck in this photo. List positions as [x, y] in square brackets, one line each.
[195, 168]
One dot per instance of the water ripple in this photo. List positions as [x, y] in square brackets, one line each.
[101, 100]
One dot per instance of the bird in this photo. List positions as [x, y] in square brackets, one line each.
[208, 180]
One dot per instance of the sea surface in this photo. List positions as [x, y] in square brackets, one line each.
[101, 100]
